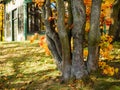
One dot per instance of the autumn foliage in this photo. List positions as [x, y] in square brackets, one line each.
[105, 45]
[105, 18]
[105, 54]
[34, 37]
[39, 3]
[43, 44]
[106, 69]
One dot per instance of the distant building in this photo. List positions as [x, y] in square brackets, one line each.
[22, 18]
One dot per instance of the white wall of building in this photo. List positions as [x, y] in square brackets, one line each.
[13, 4]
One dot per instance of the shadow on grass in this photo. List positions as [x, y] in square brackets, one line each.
[31, 80]
[107, 85]
[22, 80]
[20, 66]
[28, 75]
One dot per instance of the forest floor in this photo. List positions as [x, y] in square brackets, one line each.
[24, 66]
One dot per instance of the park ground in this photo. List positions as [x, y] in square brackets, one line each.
[24, 66]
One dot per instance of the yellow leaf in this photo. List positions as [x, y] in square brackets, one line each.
[116, 70]
[105, 71]
[19, 75]
[85, 53]
[111, 71]
[87, 28]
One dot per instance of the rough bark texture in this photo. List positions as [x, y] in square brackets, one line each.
[72, 65]
[94, 36]
[79, 19]
[51, 36]
[69, 23]
[115, 27]
[66, 63]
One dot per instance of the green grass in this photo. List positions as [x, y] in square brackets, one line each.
[24, 66]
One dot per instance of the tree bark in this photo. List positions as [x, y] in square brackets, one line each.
[66, 63]
[72, 65]
[52, 37]
[94, 36]
[114, 28]
[79, 19]
[69, 23]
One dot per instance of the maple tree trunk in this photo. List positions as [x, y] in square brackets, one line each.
[115, 27]
[71, 62]
[69, 23]
[58, 42]
[66, 54]
[79, 18]
[53, 40]
[94, 36]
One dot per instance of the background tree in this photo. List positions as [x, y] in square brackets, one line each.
[71, 27]
[1, 19]
[115, 27]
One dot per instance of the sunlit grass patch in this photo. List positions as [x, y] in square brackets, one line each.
[22, 63]
[24, 66]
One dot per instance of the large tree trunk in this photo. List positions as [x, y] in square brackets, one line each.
[94, 36]
[115, 27]
[79, 19]
[66, 54]
[59, 42]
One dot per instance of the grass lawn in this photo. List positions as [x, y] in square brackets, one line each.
[24, 66]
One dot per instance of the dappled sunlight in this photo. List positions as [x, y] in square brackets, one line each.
[26, 67]
[9, 56]
[9, 46]
[33, 67]
[6, 69]
[21, 65]
[109, 83]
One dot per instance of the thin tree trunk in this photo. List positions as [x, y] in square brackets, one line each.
[66, 64]
[53, 40]
[117, 33]
[115, 15]
[94, 36]
[79, 19]
[69, 23]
